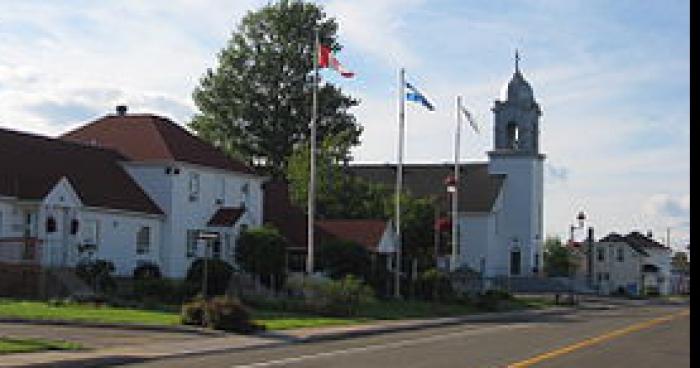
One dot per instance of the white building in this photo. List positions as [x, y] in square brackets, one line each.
[138, 187]
[633, 264]
[500, 202]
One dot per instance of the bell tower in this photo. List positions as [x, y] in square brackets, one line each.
[516, 115]
[516, 153]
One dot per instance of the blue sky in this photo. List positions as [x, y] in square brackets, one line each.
[612, 78]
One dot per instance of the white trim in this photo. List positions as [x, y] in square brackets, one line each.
[193, 165]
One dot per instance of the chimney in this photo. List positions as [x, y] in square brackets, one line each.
[649, 234]
[121, 110]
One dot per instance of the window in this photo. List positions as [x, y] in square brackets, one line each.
[515, 262]
[606, 276]
[90, 232]
[620, 254]
[601, 254]
[512, 135]
[143, 240]
[245, 190]
[194, 186]
[50, 224]
[191, 243]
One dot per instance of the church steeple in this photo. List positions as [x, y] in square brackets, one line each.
[516, 127]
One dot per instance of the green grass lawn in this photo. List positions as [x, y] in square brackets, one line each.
[271, 319]
[10, 345]
[78, 312]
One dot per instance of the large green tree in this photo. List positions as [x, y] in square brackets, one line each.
[256, 103]
[338, 195]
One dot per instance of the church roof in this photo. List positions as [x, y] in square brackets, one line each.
[146, 137]
[477, 193]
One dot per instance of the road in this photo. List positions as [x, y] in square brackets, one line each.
[630, 336]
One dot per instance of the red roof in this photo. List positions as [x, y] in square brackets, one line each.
[226, 216]
[367, 233]
[31, 165]
[144, 137]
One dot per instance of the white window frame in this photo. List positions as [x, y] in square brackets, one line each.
[194, 186]
[143, 240]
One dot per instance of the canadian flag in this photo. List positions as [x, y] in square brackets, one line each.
[326, 59]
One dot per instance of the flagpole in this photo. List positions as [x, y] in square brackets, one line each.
[455, 194]
[399, 183]
[312, 169]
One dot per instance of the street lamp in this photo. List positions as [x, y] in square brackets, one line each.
[451, 183]
[580, 218]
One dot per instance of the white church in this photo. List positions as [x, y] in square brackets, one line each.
[500, 202]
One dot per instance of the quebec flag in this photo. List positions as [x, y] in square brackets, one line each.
[414, 95]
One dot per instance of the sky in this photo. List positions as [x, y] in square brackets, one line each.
[611, 77]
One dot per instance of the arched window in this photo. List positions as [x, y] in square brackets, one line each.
[50, 224]
[512, 135]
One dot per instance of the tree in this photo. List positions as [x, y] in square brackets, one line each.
[680, 262]
[339, 258]
[262, 252]
[558, 260]
[256, 104]
[338, 195]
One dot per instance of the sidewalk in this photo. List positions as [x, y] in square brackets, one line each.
[231, 342]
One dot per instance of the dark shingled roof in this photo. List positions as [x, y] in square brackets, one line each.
[226, 216]
[477, 193]
[635, 240]
[144, 137]
[367, 233]
[31, 165]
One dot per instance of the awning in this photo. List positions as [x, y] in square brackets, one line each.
[226, 216]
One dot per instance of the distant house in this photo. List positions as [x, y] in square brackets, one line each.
[633, 264]
[135, 188]
[376, 235]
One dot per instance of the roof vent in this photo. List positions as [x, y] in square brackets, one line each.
[121, 110]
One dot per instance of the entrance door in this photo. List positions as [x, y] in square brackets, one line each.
[515, 262]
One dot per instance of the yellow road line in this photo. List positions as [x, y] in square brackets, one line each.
[598, 339]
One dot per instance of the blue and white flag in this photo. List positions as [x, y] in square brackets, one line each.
[414, 95]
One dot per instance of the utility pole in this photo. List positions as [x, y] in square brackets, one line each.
[312, 170]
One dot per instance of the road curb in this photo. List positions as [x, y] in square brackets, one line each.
[121, 326]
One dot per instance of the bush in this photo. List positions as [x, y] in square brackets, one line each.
[331, 297]
[218, 275]
[339, 258]
[262, 252]
[192, 313]
[219, 313]
[158, 290]
[97, 273]
[493, 299]
[228, 314]
[434, 285]
[147, 271]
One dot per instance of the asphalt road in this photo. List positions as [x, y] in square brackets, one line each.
[629, 336]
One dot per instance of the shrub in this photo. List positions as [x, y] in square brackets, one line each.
[493, 299]
[158, 290]
[261, 252]
[192, 313]
[218, 275]
[219, 313]
[339, 258]
[434, 285]
[147, 270]
[97, 273]
[228, 314]
[331, 297]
